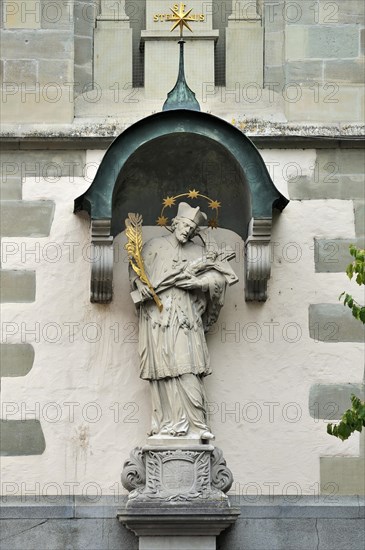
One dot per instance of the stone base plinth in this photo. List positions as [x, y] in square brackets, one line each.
[177, 520]
[177, 491]
[177, 543]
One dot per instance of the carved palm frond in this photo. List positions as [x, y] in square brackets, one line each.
[133, 231]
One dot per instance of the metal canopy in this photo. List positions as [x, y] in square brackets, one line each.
[98, 199]
[159, 156]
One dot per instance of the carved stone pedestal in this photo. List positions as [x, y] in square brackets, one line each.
[177, 496]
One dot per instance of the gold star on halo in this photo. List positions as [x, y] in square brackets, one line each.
[181, 18]
[162, 221]
[169, 201]
[213, 223]
[193, 194]
[214, 205]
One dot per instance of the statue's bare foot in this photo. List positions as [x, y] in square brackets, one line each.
[207, 435]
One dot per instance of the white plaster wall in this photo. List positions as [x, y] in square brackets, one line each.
[263, 372]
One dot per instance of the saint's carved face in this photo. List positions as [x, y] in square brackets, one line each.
[184, 229]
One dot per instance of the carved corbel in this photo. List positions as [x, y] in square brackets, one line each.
[258, 259]
[101, 288]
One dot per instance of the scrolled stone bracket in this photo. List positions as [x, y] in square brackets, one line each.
[258, 259]
[101, 287]
[222, 477]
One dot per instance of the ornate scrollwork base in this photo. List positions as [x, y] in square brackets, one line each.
[191, 474]
[177, 490]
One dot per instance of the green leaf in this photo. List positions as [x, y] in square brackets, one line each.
[352, 420]
[362, 315]
[350, 271]
[356, 312]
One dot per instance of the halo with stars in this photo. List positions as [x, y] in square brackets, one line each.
[214, 205]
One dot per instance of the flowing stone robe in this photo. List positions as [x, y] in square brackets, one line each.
[172, 346]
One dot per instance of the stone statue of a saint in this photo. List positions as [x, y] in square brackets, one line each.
[190, 279]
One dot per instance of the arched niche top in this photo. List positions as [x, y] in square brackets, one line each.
[252, 195]
[97, 200]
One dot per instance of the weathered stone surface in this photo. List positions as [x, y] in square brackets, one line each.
[22, 15]
[333, 323]
[342, 475]
[328, 102]
[362, 40]
[60, 72]
[27, 104]
[46, 44]
[21, 438]
[42, 164]
[23, 70]
[273, 15]
[349, 161]
[10, 188]
[247, 39]
[77, 534]
[26, 218]
[321, 41]
[34, 506]
[103, 507]
[332, 255]
[57, 15]
[17, 286]
[274, 77]
[359, 211]
[340, 533]
[301, 13]
[84, 49]
[83, 77]
[338, 174]
[108, 68]
[303, 188]
[329, 401]
[16, 359]
[304, 72]
[273, 534]
[345, 70]
[85, 14]
[266, 522]
[352, 11]
[274, 42]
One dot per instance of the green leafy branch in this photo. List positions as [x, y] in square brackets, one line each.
[355, 268]
[352, 420]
